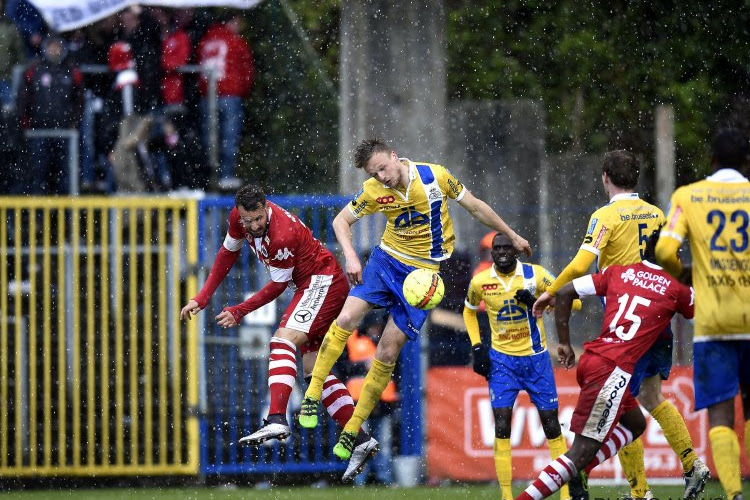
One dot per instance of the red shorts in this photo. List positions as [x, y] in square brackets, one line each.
[313, 308]
[604, 397]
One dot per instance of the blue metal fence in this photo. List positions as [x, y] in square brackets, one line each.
[234, 366]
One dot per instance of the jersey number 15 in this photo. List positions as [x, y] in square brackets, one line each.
[630, 315]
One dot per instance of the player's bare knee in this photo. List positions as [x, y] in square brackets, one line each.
[650, 400]
[387, 352]
[550, 423]
[502, 422]
[634, 421]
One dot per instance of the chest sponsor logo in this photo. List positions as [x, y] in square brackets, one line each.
[410, 218]
[511, 311]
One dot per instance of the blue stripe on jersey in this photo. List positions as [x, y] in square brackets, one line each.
[536, 335]
[425, 173]
[436, 225]
[528, 271]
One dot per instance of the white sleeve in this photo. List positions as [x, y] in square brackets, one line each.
[281, 275]
[584, 286]
[232, 244]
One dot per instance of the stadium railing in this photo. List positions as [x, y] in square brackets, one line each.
[97, 374]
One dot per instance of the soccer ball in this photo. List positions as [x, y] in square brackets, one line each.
[423, 288]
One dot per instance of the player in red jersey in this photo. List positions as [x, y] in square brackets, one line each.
[640, 301]
[294, 259]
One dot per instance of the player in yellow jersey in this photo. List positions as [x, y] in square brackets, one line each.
[518, 359]
[418, 233]
[714, 214]
[617, 234]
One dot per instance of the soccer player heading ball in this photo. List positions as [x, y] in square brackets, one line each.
[418, 234]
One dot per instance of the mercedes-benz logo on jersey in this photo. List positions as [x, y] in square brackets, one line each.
[303, 315]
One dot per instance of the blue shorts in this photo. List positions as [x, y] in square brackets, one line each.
[656, 361]
[511, 374]
[382, 285]
[720, 368]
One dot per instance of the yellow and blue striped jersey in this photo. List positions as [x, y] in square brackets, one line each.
[418, 230]
[617, 232]
[515, 331]
[715, 215]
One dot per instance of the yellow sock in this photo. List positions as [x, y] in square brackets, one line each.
[631, 459]
[504, 467]
[330, 349]
[557, 447]
[377, 378]
[676, 432]
[725, 449]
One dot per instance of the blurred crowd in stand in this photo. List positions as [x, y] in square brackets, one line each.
[131, 94]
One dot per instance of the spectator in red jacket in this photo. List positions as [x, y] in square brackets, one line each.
[223, 51]
[175, 52]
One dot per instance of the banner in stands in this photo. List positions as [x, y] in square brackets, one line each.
[461, 432]
[66, 15]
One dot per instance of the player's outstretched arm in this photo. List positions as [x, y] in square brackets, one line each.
[487, 216]
[223, 262]
[268, 293]
[342, 227]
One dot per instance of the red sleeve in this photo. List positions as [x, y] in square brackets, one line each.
[265, 295]
[222, 264]
[686, 301]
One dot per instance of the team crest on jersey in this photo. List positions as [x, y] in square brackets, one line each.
[435, 194]
[283, 254]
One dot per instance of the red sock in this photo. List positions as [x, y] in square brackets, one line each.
[619, 438]
[551, 479]
[337, 400]
[282, 374]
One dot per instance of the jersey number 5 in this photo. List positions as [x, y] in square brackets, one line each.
[630, 315]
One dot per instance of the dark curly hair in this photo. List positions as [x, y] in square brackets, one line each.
[250, 197]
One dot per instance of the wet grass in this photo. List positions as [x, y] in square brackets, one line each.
[472, 492]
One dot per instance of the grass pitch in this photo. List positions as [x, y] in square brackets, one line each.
[472, 492]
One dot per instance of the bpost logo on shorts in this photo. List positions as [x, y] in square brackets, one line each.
[384, 200]
[303, 315]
